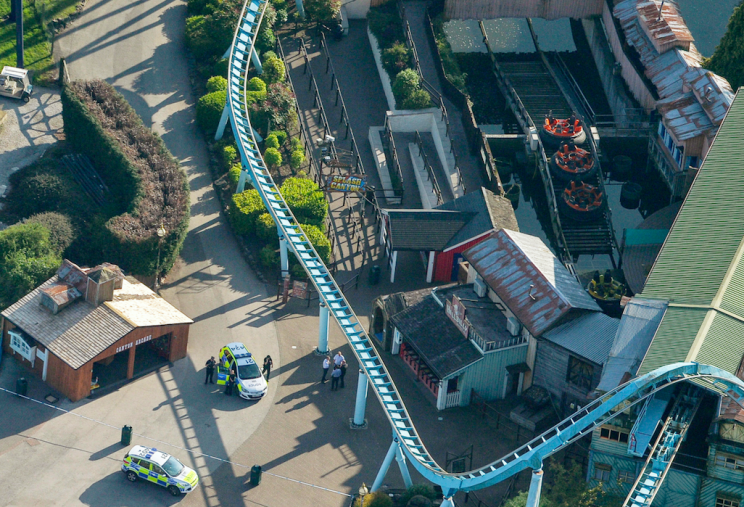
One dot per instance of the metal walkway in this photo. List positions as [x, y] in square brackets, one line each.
[529, 455]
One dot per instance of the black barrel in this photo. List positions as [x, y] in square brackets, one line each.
[256, 475]
[21, 386]
[630, 195]
[374, 275]
[126, 435]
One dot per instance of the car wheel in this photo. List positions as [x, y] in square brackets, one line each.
[132, 477]
[174, 490]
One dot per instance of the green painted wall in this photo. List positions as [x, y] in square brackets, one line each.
[487, 375]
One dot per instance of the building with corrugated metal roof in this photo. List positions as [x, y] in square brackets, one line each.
[86, 329]
[691, 309]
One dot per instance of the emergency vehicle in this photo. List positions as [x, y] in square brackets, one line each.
[147, 463]
[249, 381]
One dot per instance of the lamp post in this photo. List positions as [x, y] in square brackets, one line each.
[161, 233]
[362, 493]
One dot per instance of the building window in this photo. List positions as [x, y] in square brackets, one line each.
[692, 162]
[626, 476]
[602, 472]
[728, 461]
[723, 500]
[580, 373]
[614, 434]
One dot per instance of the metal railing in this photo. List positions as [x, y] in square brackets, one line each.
[429, 168]
[394, 162]
[490, 345]
[589, 117]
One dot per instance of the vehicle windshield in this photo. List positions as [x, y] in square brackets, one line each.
[248, 371]
[172, 467]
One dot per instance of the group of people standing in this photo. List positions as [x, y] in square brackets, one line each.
[338, 373]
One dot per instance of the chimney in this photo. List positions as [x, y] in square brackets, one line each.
[100, 287]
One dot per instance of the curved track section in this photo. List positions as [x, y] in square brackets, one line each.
[528, 456]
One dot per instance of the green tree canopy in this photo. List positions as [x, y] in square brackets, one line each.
[728, 58]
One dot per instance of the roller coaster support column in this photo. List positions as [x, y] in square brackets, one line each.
[323, 331]
[223, 123]
[300, 9]
[447, 502]
[533, 497]
[361, 403]
[385, 465]
[401, 459]
[256, 62]
[283, 255]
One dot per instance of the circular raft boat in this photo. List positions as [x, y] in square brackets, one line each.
[581, 201]
[605, 290]
[570, 163]
[555, 131]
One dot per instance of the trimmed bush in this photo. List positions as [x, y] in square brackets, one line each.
[296, 159]
[273, 70]
[268, 258]
[266, 39]
[245, 208]
[385, 24]
[220, 68]
[266, 229]
[297, 272]
[419, 99]
[271, 142]
[281, 17]
[149, 185]
[268, 54]
[61, 230]
[272, 157]
[233, 176]
[209, 111]
[406, 82]
[322, 10]
[229, 155]
[216, 84]
[376, 499]
[256, 84]
[37, 193]
[415, 490]
[295, 144]
[306, 200]
[319, 241]
[281, 136]
[396, 58]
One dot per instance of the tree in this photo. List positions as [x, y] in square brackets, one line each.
[322, 10]
[273, 70]
[216, 84]
[61, 230]
[272, 157]
[728, 58]
[279, 106]
[418, 99]
[209, 110]
[26, 260]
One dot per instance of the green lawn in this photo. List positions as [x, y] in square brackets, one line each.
[38, 49]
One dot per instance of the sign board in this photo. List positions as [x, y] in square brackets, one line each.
[346, 183]
[455, 310]
[299, 290]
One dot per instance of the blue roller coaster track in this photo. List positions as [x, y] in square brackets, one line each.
[529, 455]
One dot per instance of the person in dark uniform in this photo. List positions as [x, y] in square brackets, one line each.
[343, 373]
[230, 383]
[210, 371]
[268, 363]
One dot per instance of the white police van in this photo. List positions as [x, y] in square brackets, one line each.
[151, 465]
[249, 381]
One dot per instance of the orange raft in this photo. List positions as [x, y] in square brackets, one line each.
[581, 201]
[570, 163]
[555, 131]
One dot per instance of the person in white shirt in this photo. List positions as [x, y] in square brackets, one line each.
[338, 359]
[326, 365]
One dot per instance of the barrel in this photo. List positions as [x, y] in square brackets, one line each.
[630, 195]
[256, 475]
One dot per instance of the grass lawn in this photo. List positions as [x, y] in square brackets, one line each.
[38, 48]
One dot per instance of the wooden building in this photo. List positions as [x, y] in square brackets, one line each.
[85, 329]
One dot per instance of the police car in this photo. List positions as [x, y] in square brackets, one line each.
[159, 467]
[250, 382]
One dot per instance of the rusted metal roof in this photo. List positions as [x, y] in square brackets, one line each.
[676, 73]
[529, 279]
[61, 293]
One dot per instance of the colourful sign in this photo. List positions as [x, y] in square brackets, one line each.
[299, 290]
[346, 183]
[455, 310]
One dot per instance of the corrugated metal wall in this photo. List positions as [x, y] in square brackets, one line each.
[548, 9]
[487, 376]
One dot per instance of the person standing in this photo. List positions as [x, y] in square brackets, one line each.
[230, 383]
[343, 373]
[338, 359]
[268, 363]
[335, 376]
[210, 371]
[326, 365]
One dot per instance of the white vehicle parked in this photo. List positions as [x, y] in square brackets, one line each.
[249, 381]
[14, 83]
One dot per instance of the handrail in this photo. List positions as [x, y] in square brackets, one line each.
[429, 169]
[584, 103]
[531, 455]
[388, 134]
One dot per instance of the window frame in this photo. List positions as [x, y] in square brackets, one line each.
[626, 477]
[738, 462]
[724, 499]
[601, 469]
[577, 379]
[614, 429]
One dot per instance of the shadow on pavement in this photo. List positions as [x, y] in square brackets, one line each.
[109, 492]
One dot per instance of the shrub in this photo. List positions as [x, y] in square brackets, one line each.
[26, 260]
[295, 144]
[149, 185]
[229, 155]
[306, 200]
[406, 82]
[271, 142]
[266, 40]
[272, 157]
[728, 58]
[279, 106]
[396, 58]
[319, 241]
[266, 229]
[44, 191]
[233, 176]
[376, 499]
[280, 135]
[61, 230]
[246, 207]
[296, 159]
[209, 110]
[268, 258]
[279, 4]
[298, 272]
[385, 24]
[322, 10]
[216, 84]
[220, 68]
[273, 70]
[417, 489]
[268, 54]
[281, 17]
[195, 6]
[419, 99]
[256, 84]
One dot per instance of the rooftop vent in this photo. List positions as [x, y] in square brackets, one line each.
[58, 296]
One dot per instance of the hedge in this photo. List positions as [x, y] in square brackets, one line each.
[61, 230]
[266, 229]
[209, 110]
[148, 184]
[319, 241]
[216, 84]
[306, 200]
[246, 207]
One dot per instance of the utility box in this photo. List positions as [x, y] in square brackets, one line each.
[374, 275]
[256, 475]
[126, 435]
[21, 386]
